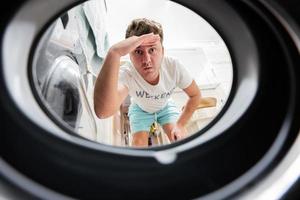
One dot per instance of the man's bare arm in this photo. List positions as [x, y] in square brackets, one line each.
[179, 132]
[107, 80]
[194, 98]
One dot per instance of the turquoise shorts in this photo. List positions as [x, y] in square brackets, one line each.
[141, 120]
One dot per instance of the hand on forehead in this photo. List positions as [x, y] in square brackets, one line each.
[150, 40]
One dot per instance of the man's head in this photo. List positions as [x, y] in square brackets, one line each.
[143, 26]
[146, 59]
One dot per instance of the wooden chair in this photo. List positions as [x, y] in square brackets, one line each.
[206, 102]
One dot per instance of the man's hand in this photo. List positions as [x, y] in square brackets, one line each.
[178, 132]
[130, 44]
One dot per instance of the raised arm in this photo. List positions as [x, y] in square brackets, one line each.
[108, 94]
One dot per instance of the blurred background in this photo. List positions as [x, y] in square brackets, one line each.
[72, 50]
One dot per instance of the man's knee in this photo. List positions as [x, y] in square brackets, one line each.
[140, 139]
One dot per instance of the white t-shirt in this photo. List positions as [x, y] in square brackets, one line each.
[152, 98]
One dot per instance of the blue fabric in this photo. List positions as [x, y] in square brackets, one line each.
[141, 120]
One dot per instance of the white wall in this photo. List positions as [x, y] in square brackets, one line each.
[174, 18]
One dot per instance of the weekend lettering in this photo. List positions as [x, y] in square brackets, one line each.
[146, 95]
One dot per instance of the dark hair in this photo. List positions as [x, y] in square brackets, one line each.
[143, 26]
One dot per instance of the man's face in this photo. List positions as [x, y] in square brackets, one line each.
[147, 60]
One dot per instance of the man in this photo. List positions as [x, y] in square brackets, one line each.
[149, 79]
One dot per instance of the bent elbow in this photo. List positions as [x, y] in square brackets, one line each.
[102, 114]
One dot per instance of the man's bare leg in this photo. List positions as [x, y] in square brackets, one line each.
[140, 139]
